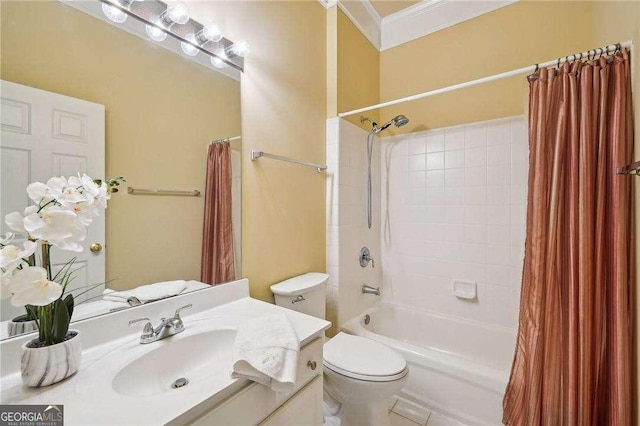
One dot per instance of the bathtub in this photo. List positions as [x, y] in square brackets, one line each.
[457, 367]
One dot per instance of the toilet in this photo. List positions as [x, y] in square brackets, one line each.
[359, 372]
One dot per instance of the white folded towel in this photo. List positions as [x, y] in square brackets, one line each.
[266, 351]
[147, 293]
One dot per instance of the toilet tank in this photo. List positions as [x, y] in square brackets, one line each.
[304, 293]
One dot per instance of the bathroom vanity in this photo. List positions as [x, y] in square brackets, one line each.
[124, 382]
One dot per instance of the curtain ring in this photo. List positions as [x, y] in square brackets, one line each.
[537, 67]
[558, 63]
[618, 48]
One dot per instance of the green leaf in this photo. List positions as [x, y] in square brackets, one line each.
[69, 303]
[60, 321]
[44, 327]
[32, 312]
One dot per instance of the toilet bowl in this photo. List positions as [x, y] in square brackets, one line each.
[362, 374]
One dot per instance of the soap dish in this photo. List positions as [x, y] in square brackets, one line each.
[465, 289]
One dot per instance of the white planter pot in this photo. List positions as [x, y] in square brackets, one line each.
[15, 327]
[50, 364]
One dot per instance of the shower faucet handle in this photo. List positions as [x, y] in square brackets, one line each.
[365, 258]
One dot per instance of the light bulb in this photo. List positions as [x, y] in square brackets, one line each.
[217, 62]
[175, 13]
[189, 48]
[113, 13]
[210, 32]
[240, 49]
[155, 33]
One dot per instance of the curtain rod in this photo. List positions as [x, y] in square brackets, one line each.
[235, 138]
[530, 69]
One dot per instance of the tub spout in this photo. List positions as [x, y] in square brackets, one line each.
[366, 289]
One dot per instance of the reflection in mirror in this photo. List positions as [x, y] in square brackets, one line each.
[82, 95]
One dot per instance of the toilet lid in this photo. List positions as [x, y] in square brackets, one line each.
[362, 358]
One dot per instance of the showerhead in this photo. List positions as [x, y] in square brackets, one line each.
[398, 121]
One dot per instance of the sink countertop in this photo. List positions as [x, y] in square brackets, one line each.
[89, 398]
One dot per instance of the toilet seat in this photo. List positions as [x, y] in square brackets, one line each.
[363, 359]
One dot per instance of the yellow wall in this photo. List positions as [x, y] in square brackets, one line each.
[512, 37]
[358, 70]
[614, 22]
[284, 106]
[160, 113]
[332, 61]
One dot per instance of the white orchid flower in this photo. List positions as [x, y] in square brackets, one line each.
[5, 286]
[6, 238]
[57, 225]
[57, 185]
[70, 197]
[89, 188]
[103, 196]
[30, 286]
[15, 221]
[30, 209]
[86, 212]
[39, 193]
[12, 256]
[72, 243]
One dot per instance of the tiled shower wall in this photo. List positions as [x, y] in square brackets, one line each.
[454, 208]
[347, 230]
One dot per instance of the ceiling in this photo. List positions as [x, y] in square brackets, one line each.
[388, 7]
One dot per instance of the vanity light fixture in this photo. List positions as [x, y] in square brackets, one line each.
[115, 14]
[155, 32]
[239, 49]
[210, 32]
[175, 13]
[218, 62]
[162, 19]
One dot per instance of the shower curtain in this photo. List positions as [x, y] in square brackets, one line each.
[217, 239]
[572, 364]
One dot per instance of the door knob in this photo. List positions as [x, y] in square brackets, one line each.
[95, 248]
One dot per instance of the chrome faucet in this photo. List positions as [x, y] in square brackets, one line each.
[167, 327]
[367, 289]
[365, 258]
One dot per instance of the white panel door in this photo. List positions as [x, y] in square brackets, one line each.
[42, 135]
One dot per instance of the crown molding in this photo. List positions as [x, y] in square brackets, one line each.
[414, 22]
[365, 18]
[430, 16]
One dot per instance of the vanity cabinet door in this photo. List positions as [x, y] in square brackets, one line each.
[256, 402]
[303, 409]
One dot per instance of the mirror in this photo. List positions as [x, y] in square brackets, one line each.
[160, 110]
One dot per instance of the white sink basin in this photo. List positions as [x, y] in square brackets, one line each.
[196, 358]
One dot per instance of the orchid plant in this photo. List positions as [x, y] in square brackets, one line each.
[63, 209]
